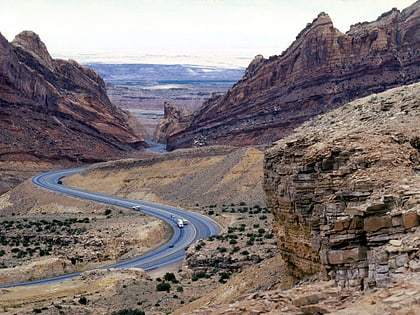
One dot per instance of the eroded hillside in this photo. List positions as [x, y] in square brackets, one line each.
[321, 70]
[202, 176]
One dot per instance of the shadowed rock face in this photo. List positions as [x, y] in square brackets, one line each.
[322, 69]
[55, 109]
[345, 192]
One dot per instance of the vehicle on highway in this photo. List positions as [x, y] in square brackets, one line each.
[199, 226]
[180, 223]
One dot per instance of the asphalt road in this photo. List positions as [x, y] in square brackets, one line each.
[199, 226]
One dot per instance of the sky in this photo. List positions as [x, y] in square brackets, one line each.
[206, 32]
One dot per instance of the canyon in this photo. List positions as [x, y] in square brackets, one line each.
[318, 197]
[321, 70]
[56, 111]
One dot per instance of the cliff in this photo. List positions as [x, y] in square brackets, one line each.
[345, 191]
[56, 110]
[174, 120]
[321, 70]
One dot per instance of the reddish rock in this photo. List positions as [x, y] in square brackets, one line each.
[56, 110]
[321, 70]
[336, 257]
[174, 120]
[345, 184]
[410, 220]
[373, 224]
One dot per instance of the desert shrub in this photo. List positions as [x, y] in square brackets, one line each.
[269, 235]
[169, 276]
[199, 275]
[236, 249]
[224, 276]
[179, 289]
[163, 286]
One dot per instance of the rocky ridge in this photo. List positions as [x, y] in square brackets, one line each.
[56, 110]
[345, 194]
[321, 70]
[174, 120]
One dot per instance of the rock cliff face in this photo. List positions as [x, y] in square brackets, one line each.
[322, 69]
[345, 191]
[55, 109]
[174, 120]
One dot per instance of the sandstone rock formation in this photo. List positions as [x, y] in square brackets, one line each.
[174, 120]
[321, 70]
[345, 191]
[56, 110]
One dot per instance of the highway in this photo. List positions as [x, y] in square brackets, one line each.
[199, 226]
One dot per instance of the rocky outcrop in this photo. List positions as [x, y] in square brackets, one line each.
[322, 69]
[345, 191]
[174, 120]
[54, 110]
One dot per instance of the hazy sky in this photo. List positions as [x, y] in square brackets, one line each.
[194, 31]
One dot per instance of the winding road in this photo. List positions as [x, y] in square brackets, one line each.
[199, 226]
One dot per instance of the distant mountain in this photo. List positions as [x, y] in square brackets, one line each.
[321, 70]
[56, 110]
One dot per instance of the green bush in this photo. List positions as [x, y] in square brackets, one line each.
[223, 277]
[179, 289]
[163, 286]
[169, 276]
[199, 275]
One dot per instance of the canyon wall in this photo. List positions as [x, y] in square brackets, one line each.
[56, 110]
[345, 191]
[321, 70]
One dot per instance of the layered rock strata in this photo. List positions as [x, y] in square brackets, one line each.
[321, 70]
[55, 109]
[345, 191]
[174, 120]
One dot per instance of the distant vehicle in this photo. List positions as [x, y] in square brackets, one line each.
[180, 223]
[185, 221]
[136, 208]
